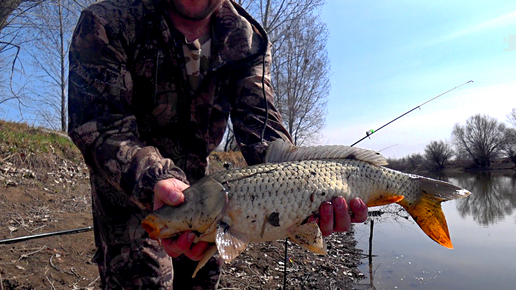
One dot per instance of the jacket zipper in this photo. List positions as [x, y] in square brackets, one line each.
[159, 55]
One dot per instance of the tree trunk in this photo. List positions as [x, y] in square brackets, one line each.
[6, 9]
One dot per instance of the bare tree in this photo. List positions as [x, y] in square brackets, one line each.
[415, 160]
[52, 26]
[509, 147]
[301, 78]
[10, 9]
[482, 139]
[41, 38]
[230, 143]
[13, 16]
[300, 67]
[437, 153]
[49, 56]
[510, 144]
[511, 117]
[278, 15]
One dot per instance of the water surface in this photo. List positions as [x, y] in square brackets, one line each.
[483, 231]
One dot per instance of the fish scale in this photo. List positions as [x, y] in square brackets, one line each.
[295, 190]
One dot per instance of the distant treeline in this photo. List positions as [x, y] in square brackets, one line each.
[475, 145]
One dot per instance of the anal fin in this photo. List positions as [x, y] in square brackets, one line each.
[309, 237]
[384, 200]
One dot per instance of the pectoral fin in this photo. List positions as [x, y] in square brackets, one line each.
[309, 237]
[230, 243]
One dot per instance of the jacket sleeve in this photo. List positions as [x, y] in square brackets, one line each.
[252, 110]
[101, 122]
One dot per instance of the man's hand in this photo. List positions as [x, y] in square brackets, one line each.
[335, 217]
[170, 191]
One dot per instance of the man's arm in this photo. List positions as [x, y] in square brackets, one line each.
[252, 109]
[101, 122]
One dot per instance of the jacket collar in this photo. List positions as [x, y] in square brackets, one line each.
[236, 35]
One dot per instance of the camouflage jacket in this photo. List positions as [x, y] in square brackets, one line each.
[131, 112]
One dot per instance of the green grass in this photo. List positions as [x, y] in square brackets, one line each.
[20, 138]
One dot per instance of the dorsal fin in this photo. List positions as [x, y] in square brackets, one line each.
[282, 151]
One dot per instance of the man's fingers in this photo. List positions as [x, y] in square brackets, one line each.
[342, 217]
[313, 219]
[169, 191]
[197, 251]
[176, 247]
[359, 209]
[326, 219]
[183, 245]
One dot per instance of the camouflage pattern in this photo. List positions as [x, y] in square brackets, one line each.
[138, 117]
[197, 62]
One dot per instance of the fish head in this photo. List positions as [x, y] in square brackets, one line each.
[205, 204]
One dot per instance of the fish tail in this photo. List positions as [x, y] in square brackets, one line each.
[426, 208]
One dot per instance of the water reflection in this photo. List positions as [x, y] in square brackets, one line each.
[396, 257]
[493, 197]
[390, 213]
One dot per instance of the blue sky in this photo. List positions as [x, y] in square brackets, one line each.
[388, 57]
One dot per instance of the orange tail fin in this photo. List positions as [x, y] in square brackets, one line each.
[426, 210]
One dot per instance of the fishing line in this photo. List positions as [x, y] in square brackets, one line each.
[262, 139]
[387, 147]
[500, 83]
[285, 266]
[264, 99]
[371, 132]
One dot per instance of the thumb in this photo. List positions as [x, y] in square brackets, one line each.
[169, 191]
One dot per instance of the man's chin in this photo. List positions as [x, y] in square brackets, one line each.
[195, 13]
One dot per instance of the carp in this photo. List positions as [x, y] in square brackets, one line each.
[273, 200]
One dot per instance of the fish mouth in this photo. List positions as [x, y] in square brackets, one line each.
[153, 226]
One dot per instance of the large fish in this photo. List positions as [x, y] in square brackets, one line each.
[272, 200]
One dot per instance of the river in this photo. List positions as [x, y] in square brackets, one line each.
[483, 231]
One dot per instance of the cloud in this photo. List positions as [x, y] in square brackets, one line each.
[506, 19]
[490, 24]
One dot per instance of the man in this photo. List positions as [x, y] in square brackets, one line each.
[152, 83]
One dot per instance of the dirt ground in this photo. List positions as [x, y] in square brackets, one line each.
[53, 194]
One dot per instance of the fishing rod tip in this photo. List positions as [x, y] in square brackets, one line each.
[470, 81]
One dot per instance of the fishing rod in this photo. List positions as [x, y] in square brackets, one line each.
[371, 132]
[37, 236]
[387, 147]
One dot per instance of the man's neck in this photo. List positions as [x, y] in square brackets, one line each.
[191, 29]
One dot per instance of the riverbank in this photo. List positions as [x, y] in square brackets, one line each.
[454, 167]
